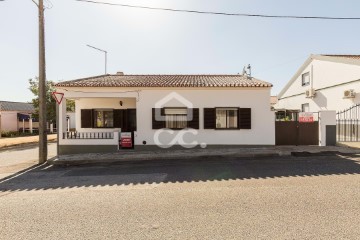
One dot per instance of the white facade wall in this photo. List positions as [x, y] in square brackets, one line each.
[9, 121]
[262, 131]
[324, 74]
[72, 119]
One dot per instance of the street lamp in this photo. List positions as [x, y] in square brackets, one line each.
[103, 52]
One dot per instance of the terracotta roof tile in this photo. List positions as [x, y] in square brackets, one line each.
[165, 81]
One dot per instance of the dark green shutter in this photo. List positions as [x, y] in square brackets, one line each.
[209, 118]
[194, 123]
[130, 120]
[157, 124]
[244, 118]
[119, 118]
[86, 118]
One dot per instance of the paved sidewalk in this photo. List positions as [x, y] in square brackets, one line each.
[165, 154]
[19, 158]
[349, 144]
[8, 142]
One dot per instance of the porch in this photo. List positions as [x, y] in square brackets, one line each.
[99, 120]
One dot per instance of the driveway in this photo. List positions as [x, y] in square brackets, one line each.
[274, 198]
[17, 158]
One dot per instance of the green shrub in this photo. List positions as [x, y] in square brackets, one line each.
[11, 134]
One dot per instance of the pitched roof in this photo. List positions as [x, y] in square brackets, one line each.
[342, 56]
[16, 106]
[119, 80]
[343, 59]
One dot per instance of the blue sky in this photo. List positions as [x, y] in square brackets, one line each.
[155, 42]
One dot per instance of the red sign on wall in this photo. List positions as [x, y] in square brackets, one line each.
[306, 117]
[126, 140]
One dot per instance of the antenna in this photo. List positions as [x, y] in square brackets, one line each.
[249, 68]
[244, 71]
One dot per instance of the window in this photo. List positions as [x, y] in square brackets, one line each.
[103, 118]
[226, 118]
[305, 107]
[305, 79]
[176, 118]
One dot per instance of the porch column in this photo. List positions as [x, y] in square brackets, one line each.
[61, 128]
[327, 128]
[30, 124]
[23, 125]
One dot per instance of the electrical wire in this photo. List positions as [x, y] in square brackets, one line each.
[221, 13]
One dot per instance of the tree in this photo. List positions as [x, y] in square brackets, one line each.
[50, 101]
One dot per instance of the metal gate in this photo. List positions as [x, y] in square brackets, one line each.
[347, 125]
[289, 131]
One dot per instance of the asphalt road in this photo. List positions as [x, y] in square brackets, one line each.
[292, 198]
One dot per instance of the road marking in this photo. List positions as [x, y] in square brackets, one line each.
[47, 167]
[17, 175]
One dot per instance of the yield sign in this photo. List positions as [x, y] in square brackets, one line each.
[58, 96]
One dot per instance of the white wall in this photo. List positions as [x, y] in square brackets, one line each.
[72, 119]
[325, 74]
[263, 127]
[9, 121]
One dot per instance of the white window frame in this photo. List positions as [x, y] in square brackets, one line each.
[307, 76]
[304, 105]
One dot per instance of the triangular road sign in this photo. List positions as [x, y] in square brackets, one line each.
[58, 96]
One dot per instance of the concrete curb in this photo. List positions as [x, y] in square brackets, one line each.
[135, 160]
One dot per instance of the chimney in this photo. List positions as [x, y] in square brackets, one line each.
[120, 73]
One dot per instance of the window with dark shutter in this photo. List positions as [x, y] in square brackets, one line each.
[244, 118]
[86, 118]
[194, 123]
[157, 124]
[103, 118]
[209, 118]
[227, 118]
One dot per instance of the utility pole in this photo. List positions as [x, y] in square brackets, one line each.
[42, 87]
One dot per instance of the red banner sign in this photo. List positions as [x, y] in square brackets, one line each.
[126, 140]
[306, 117]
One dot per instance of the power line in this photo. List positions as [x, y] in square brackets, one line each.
[221, 13]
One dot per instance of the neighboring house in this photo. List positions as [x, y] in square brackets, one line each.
[213, 109]
[16, 116]
[273, 101]
[323, 82]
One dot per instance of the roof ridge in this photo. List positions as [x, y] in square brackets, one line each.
[167, 80]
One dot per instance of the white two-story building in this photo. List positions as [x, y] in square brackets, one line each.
[323, 82]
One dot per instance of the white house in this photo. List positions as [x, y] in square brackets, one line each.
[15, 116]
[323, 82]
[159, 111]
